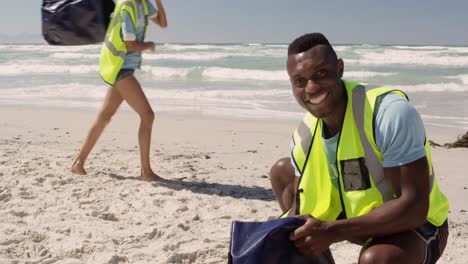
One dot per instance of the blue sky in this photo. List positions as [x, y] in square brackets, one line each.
[412, 22]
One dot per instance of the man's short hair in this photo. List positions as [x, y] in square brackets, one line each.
[308, 41]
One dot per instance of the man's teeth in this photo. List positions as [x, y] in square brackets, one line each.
[318, 99]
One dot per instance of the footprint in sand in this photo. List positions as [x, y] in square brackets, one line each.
[183, 227]
[39, 181]
[182, 258]
[154, 234]
[37, 251]
[118, 260]
[25, 194]
[5, 196]
[183, 208]
[105, 216]
[19, 214]
[159, 202]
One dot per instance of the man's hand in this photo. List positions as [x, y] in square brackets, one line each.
[312, 238]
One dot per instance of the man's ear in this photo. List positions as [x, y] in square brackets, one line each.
[340, 67]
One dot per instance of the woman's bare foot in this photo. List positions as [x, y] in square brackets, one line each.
[150, 176]
[77, 168]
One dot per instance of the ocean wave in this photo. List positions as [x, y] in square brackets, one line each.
[82, 91]
[408, 57]
[219, 73]
[446, 121]
[189, 56]
[461, 119]
[68, 55]
[215, 73]
[458, 49]
[166, 73]
[247, 96]
[432, 87]
[209, 56]
[180, 47]
[243, 74]
[434, 48]
[54, 91]
[170, 98]
[173, 73]
[23, 69]
[420, 47]
[49, 48]
[277, 45]
[463, 78]
[365, 74]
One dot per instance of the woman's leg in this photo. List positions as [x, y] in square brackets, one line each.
[109, 107]
[131, 92]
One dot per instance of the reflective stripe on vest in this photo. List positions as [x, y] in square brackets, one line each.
[372, 161]
[113, 49]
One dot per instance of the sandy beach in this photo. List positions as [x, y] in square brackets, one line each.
[217, 172]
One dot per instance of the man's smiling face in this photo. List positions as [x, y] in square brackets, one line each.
[315, 77]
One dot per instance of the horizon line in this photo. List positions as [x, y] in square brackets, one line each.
[249, 43]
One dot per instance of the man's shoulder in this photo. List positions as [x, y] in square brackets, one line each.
[394, 104]
[392, 100]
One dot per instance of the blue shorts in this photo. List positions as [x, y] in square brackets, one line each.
[124, 73]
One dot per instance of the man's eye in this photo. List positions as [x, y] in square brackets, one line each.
[321, 73]
[300, 82]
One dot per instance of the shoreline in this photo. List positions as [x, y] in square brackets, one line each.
[436, 133]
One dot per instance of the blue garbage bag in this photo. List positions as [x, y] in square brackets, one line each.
[268, 243]
[75, 22]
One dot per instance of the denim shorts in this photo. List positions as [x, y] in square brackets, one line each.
[124, 73]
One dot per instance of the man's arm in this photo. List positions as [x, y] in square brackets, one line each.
[160, 19]
[136, 46]
[407, 211]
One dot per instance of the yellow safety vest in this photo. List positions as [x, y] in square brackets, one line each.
[361, 184]
[113, 49]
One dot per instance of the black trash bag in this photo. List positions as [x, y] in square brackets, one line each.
[75, 22]
[268, 243]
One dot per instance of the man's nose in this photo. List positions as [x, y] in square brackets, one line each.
[311, 86]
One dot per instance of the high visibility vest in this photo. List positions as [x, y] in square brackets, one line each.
[361, 184]
[113, 49]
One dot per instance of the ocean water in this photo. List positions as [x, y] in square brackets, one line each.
[245, 81]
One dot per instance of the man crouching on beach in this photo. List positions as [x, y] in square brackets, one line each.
[360, 166]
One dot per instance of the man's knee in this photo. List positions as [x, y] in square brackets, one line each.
[374, 255]
[282, 171]
[282, 181]
[383, 254]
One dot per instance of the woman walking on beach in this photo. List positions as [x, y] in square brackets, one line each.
[120, 56]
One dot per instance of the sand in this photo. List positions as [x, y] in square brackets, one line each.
[217, 172]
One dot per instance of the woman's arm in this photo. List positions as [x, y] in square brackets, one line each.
[160, 19]
[135, 46]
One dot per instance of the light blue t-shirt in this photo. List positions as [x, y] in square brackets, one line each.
[132, 60]
[399, 134]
